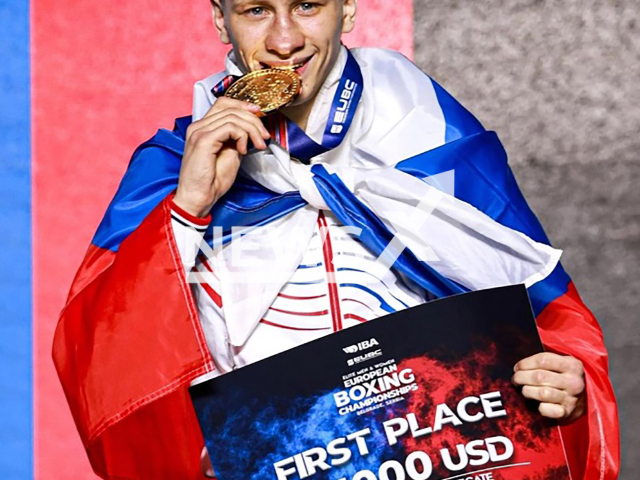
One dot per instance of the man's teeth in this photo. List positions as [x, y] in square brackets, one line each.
[289, 67]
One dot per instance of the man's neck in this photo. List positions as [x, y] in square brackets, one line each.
[299, 114]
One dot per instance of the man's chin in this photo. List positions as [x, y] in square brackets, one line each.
[302, 99]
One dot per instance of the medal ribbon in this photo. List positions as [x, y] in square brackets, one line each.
[222, 86]
[343, 109]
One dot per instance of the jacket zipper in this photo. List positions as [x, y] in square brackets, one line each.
[230, 352]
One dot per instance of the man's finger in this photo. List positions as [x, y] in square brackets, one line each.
[552, 410]
[212, 141]
[223, 103]
[550, 361]
[222, 128]
[252, 126]
[246, 117]
[541, 378]
[231, 114]
[241, 137]
[544, 394]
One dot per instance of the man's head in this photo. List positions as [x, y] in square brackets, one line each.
[273, 33]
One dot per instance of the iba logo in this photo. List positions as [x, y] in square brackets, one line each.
[358, 347]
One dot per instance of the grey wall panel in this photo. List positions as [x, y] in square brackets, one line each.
[558, 79]
[560, 83]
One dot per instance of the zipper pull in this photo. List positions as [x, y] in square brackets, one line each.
[230, 353]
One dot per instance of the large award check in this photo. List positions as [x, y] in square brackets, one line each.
[422, 394]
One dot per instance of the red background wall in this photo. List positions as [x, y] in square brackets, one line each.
[105, 75]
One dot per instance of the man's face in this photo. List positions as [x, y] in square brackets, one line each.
[277, 33]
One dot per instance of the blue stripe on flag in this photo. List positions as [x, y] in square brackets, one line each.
[16, 393]
[460, 122]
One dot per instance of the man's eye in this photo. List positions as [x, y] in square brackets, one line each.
[256, 11]
[307, 7]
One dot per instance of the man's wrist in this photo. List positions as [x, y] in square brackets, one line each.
[199, 218]
[189, 209]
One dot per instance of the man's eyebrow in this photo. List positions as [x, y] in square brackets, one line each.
[240, 3]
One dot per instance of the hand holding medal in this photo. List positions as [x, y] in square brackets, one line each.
[215, 144]
[223, 135]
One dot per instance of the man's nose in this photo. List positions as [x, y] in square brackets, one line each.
[285, 37]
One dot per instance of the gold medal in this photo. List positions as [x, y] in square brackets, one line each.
[270, 89]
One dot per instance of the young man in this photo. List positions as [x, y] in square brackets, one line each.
[352, 150]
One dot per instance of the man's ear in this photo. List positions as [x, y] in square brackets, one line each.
[349, 11]
[218, 21]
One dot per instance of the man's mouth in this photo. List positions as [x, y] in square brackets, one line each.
[299, 67]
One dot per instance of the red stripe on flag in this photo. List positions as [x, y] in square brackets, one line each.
[567, 327]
